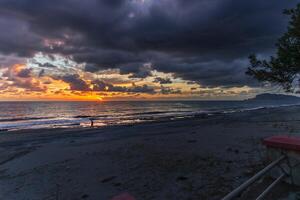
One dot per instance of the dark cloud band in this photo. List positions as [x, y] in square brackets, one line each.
[205, 41]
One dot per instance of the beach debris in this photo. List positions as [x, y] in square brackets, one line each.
[182, 178]
[108, 179]
[84, 196]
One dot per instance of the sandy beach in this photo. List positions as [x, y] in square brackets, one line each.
[197, 158]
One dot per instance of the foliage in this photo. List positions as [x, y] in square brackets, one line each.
[284, 67]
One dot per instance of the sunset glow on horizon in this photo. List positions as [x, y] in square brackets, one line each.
[35, 81]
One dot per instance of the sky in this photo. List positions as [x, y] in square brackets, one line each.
[135, 49]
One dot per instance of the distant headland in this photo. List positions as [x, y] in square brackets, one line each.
[274, 97]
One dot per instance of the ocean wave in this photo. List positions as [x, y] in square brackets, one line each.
[124, 115]
[39, 123]
[23, 119]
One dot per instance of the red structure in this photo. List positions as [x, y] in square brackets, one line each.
[283, 142]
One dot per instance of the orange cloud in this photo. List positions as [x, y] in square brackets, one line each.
[21, 82]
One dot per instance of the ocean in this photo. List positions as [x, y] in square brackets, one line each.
[32, 115]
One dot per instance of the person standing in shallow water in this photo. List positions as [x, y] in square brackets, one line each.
[92, 122]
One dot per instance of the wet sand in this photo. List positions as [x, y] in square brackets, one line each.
[197, 158]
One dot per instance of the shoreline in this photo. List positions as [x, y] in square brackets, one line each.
[83, 121]
[195, 158]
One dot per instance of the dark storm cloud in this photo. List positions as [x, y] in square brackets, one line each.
[210, 73]
[46, 65]
[168, 90]
[75, 82]
[16, 38]
[206, 41]
[103, 86]
[142, 89]
[24, 73]
[21, 79]
[162, 80]
[6, 61]
[41, 73]
[139, 72]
